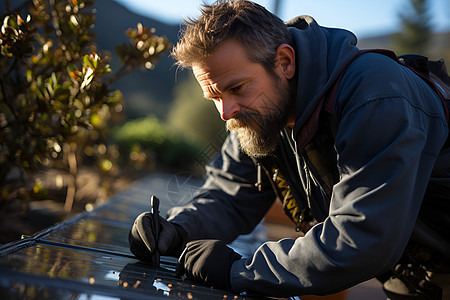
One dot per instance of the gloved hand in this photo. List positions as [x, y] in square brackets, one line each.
[208, 261]
[142, 238]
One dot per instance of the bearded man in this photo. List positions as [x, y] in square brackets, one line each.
[360, 140]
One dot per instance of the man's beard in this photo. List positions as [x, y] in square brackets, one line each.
[258, 134]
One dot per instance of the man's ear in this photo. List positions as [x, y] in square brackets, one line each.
[285, 59]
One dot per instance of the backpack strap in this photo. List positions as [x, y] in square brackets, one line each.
[331, 95]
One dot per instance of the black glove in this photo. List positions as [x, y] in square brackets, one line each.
[208, 261]
[142, 237]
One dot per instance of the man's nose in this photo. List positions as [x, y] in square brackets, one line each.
[228, 109]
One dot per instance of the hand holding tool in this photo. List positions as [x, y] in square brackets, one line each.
[151, 236]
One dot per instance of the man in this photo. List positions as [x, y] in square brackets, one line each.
[366, 167]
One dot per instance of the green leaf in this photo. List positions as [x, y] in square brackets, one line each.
[87, 61]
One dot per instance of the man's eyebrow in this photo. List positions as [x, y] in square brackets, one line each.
[233, 83]
[229, 85]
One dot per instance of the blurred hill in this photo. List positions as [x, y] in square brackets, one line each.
[144, 92]
[438, 47]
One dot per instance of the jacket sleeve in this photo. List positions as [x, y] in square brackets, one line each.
[387, 144]
[228, 204]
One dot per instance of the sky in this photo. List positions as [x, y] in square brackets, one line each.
[363, 17]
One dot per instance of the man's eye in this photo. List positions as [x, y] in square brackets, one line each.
[238, 88]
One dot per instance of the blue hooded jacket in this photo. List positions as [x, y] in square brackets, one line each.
[392, 175]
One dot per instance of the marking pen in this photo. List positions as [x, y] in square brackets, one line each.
[154, 202]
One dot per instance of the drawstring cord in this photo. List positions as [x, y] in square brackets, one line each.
[258, 183]
[308, 183]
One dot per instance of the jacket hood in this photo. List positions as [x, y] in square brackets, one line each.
[321, 54]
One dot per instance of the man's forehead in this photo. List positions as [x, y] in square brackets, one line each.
[201, 73]
[209, 83]
[229, 49]
[230, 56]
